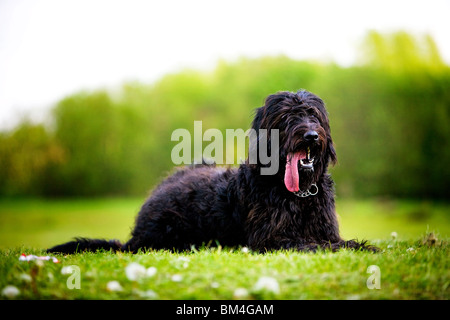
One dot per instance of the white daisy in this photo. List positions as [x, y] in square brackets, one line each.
[67, 270]
[267, 283]
[25, 277]
[113, 286]
[10, 292]
[149, 294]
[177, 278]
[134, 271]
[150, 272]
[240, 293]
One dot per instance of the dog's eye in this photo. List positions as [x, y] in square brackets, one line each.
[315, 117]
[312, 114]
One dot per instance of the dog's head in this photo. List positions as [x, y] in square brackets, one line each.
[305, 144]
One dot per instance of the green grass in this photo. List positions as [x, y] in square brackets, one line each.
[211, 273]
[41, 223]
[410, 267]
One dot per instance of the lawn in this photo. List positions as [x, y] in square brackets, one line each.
[411, 266]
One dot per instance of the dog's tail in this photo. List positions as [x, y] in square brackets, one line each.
[84, 244]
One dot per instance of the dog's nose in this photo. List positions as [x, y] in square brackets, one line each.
[311, 136]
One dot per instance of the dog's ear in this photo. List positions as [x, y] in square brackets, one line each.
[262, 133]
[257, 120]
[269, 115]
[331, 152]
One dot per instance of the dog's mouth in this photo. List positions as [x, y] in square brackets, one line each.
[307, 161]
[301, 160]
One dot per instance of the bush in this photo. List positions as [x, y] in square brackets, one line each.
[389, 116]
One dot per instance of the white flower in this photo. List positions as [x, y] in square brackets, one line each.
[149, 294]
[177, 278]
[150, 272]
[39, 263]
[394, 235]
[25, 277]
[66, 270]
[244, 250]
[134, 271]
[240, 293]
[10, 292]
[113, 286]
[267, 283]
[412, 250]
[183, 261]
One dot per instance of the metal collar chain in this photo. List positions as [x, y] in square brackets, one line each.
[313, 190]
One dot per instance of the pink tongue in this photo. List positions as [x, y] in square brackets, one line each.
[291, 172]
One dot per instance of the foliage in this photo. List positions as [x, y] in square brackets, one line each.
[389, 117]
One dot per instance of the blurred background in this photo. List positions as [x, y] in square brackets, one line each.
[90, 92]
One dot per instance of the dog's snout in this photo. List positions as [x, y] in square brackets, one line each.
[311, 136]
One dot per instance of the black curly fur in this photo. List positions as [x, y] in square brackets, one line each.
[204, 204]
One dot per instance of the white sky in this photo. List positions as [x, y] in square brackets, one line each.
[53, 48]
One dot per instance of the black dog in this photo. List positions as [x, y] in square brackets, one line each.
[204, 204]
